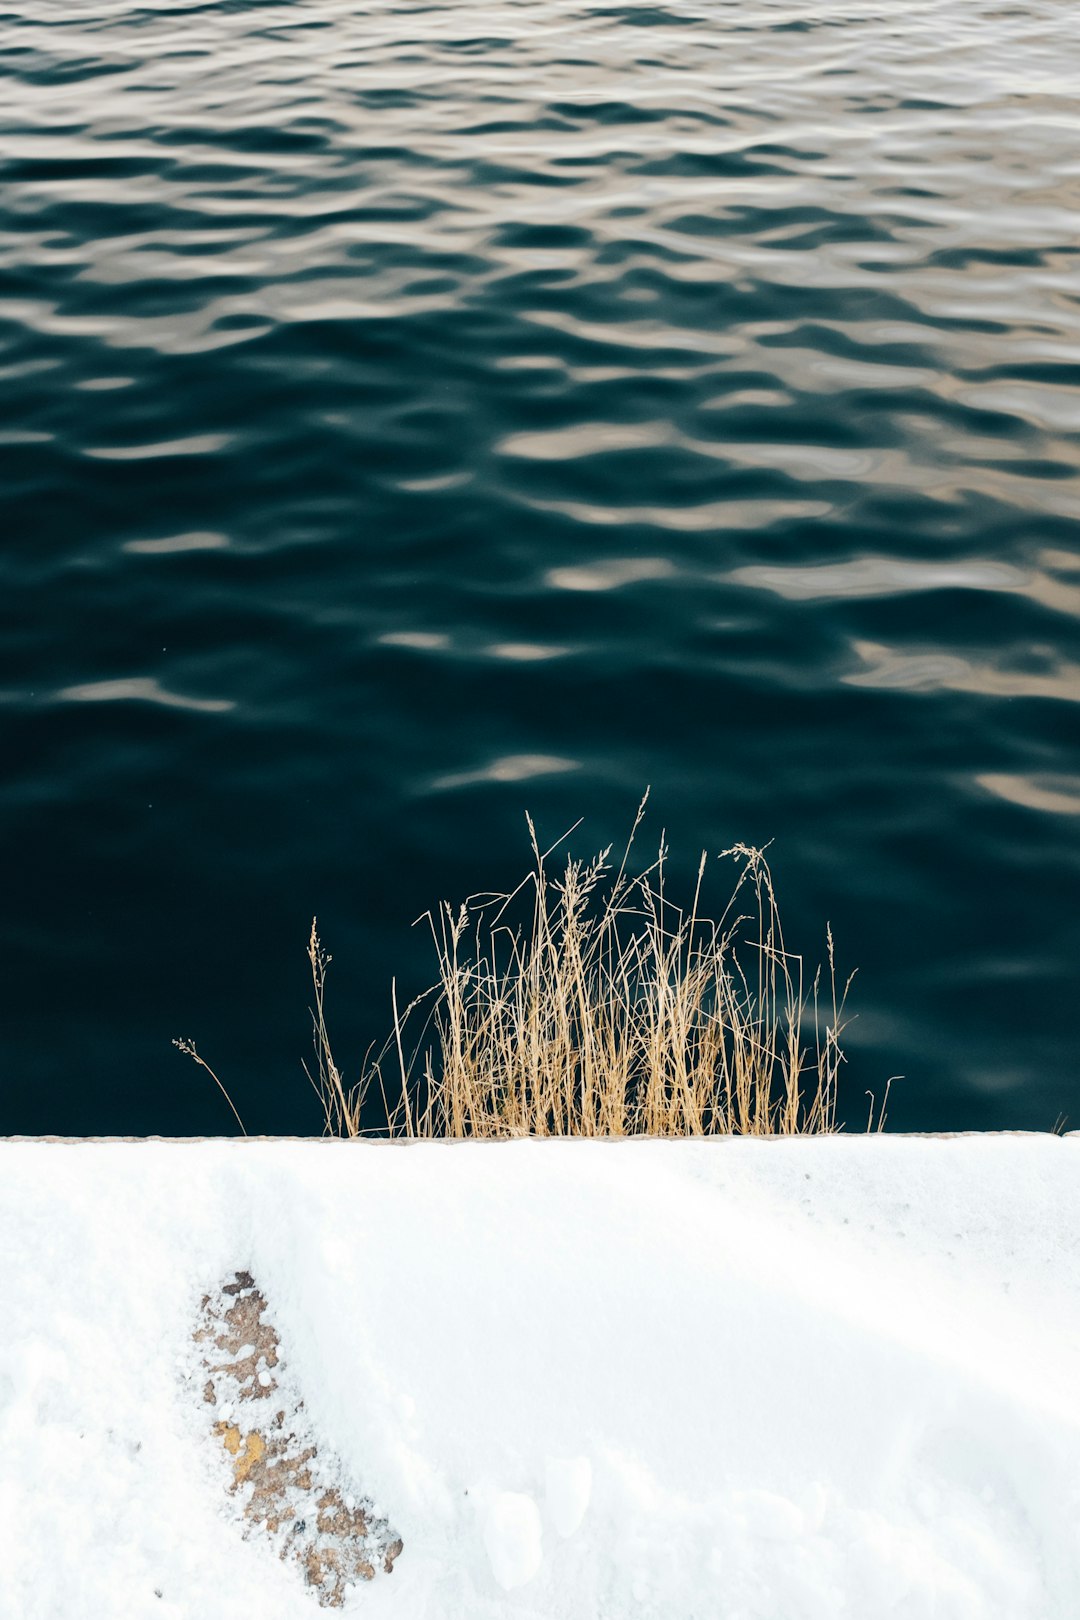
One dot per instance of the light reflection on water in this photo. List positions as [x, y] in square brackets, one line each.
[411, 415]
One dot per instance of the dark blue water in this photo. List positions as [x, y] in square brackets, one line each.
[417, 413]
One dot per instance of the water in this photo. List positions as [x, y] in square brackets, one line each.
[414, 414]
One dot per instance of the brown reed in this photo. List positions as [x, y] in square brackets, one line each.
[587, 1003]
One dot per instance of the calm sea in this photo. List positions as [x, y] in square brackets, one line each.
[416, 414]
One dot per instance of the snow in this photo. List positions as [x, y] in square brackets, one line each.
[513, 1537]
[569, 1486]
[831, 1379]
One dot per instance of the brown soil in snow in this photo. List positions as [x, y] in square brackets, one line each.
[281, 1482]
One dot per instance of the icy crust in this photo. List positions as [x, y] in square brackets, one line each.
[282, 1481]
[807, 1380]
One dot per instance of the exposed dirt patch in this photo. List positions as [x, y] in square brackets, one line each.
[281, 1481]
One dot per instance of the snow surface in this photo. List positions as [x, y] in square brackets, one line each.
[822, 1379]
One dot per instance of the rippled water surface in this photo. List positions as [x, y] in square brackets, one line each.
[413, 414]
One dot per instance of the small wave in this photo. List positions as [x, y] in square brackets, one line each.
[509, 768]
[140, 689]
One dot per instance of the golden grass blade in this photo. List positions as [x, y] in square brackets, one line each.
[591, 1004]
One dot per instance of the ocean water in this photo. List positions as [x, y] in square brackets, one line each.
[416, 414]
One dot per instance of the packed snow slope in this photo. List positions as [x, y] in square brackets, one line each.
[820, 1379]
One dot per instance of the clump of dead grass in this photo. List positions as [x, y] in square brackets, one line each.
[588, 1002]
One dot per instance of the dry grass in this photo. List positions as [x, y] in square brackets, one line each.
[189, 1049]
[588, 1003]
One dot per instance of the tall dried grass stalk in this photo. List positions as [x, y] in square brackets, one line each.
[587, 1003]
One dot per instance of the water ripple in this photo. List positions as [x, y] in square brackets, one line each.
[510, 405]
[141, 689]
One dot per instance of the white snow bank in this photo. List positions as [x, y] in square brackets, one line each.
[829, 1379]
